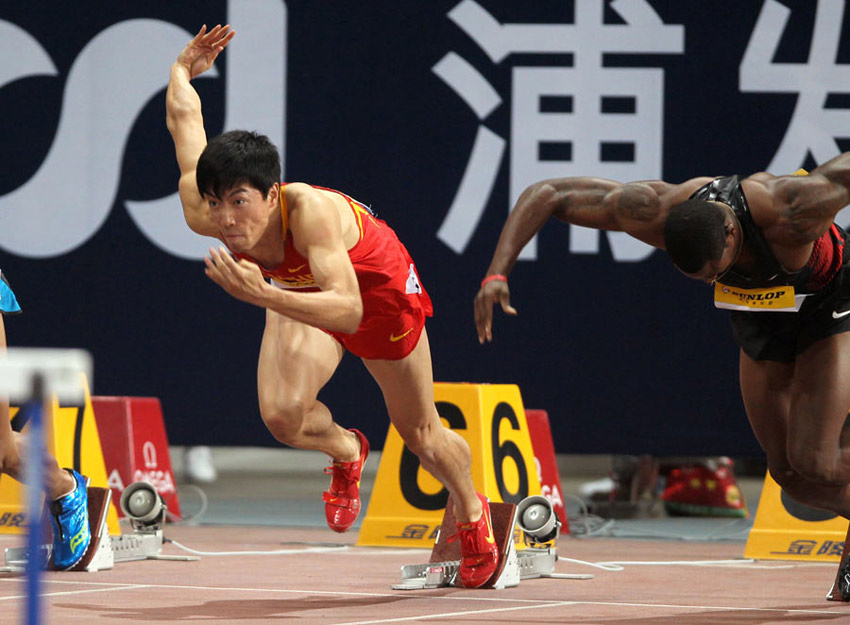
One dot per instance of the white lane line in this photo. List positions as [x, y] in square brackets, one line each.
[789, 611]
[432, 597]
[297, 591]
[370, 551]
[254, 552]
[719, 608]
[77, 592]
[462, 613]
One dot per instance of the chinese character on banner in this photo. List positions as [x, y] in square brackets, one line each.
[822, 110]
[565, 120]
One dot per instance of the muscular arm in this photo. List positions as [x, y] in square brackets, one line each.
[186, 123]
[793, 211]
[635, 208]
[837, 172]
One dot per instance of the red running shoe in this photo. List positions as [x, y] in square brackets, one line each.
[708, 489]
[342, 500]
[478, 549]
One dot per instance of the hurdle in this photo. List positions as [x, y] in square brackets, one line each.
[31, 376]
[145, 511]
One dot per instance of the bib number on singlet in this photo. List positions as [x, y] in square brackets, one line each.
[773, 299]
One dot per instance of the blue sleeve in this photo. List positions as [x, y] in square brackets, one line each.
[8, 303]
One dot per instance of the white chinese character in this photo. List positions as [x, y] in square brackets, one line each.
[814, 124]
[582, 120]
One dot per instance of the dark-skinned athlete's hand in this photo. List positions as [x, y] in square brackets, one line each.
[490, 293]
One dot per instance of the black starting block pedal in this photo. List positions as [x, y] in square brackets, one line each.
[99, 554]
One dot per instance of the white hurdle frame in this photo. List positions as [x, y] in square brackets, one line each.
[33, 377]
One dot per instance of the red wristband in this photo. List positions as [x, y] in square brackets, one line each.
[493, 278]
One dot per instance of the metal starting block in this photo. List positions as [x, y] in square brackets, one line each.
[539, 526]
[145, 543]
[530, 563]
[97, 557]
[443, 565]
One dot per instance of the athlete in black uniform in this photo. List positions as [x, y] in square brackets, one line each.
[820, 286]
[769, 246]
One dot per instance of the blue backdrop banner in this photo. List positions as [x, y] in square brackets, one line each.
[436, 114]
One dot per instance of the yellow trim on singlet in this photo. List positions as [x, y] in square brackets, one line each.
[284, 209]
[358, 217]
[358, 210]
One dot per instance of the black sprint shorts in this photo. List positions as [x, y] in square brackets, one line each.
[782, 336]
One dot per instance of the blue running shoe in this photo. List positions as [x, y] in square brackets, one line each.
[69, 516]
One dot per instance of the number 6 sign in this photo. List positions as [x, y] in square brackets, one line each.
[407, 503]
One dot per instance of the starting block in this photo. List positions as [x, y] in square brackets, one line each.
[144, 543]
[98, 556]
[442, 567]
[537, 559]
[840, 590]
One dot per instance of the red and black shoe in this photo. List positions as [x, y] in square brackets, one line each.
[342, 499]
[706, 489]
[478, 549]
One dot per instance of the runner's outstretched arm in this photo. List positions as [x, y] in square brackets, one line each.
[637, 208]
[186, 122]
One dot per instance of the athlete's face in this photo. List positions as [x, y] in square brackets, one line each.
[243, 215]
[714, 270]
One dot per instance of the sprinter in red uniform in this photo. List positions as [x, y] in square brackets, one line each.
[331, 277]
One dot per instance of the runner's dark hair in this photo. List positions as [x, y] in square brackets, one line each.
[238, 157]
